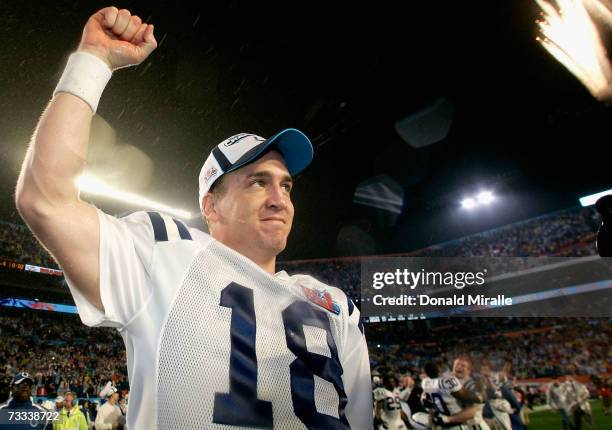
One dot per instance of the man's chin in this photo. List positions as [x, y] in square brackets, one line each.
[277, 245]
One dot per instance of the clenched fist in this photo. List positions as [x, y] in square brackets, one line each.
[117, 37]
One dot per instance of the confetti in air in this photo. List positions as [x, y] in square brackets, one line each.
[570, 35]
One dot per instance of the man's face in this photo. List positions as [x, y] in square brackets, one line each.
[254, 212]
[68, 400]
[407, 381]
[22, 392]
[461, 368]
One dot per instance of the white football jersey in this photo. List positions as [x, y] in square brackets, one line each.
[478, 422]
[391, 413]
[440, 391]
[203, 325]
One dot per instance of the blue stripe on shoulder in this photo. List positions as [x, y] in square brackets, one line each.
[351, 306]
[159, 227]
[183, 231]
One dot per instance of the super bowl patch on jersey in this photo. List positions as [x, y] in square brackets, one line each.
[321, 298]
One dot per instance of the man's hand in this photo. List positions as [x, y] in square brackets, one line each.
[438, 419]
[117, 37]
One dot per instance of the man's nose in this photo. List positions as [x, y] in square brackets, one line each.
[277, 197]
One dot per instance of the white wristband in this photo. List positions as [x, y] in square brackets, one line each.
[85, 76]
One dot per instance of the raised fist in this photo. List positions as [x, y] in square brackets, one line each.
[117, 37]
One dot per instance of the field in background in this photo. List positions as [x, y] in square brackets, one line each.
[551, 420]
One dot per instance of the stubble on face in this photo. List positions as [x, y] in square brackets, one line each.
[255, 212]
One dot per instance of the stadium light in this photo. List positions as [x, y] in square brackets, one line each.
[485, 197]
[590, 200]
[90, 185]
[468, 203]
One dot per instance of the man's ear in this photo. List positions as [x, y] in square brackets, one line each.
[209, 207]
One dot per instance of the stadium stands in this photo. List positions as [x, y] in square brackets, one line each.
[65, 355]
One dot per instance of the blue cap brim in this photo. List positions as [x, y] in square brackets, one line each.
[293, 145]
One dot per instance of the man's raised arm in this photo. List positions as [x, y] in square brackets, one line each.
[46, 195]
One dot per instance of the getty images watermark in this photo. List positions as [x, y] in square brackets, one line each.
[486, 287]
[423, 278]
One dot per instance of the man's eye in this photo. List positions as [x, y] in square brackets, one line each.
[287, 187]
[258, 182]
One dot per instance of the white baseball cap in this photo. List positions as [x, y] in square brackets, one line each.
[244, 148]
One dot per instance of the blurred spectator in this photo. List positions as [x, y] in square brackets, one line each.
[17, 243]
[89, 412]
[21, 401]
[75, 417]
[110, 415]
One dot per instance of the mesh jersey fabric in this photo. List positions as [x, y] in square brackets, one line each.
[187, 307]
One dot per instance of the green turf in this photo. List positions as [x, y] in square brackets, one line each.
[549, 420]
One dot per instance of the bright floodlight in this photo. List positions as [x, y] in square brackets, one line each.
[91, 185]
[590, 200]
[485, 197]
[468, 203]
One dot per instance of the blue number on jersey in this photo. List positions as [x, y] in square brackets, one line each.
[241, 407]
[307, 364]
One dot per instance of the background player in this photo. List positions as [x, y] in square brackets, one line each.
[452, 403]
[388, 409]
[462, 370]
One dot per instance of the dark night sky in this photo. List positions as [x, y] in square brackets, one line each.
[343, 74]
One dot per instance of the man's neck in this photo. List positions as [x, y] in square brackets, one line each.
[267, 264]
[265, 260]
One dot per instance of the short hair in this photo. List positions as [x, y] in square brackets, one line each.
[388, 377]
[431, 369]
[219, 185]
[465, 357]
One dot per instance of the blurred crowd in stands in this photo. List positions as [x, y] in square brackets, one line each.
[568, 233]
[533, 347]
[60, 353]
[63, 356]
[18, 244]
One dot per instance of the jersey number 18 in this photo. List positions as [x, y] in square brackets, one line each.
[241, 407]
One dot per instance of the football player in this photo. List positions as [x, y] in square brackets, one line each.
[388, 409]
[462, 370]
[451, 403]
[203, 316]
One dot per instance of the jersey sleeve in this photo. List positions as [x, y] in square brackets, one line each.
[405, 394]
[356, 364]
[126, 249]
